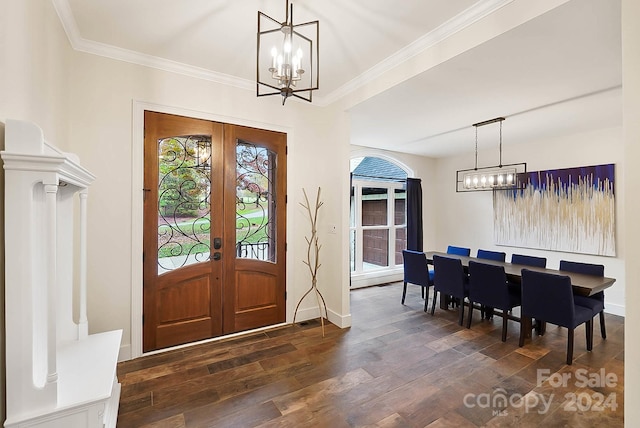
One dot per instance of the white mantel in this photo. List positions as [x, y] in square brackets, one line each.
[57, 374]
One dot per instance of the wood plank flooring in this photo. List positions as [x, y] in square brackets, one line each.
[397, 366]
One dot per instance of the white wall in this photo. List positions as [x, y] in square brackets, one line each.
[34, 55]
[467, 218]
[631, 125]
[3, 344]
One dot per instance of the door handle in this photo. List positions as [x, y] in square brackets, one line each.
[217, 243]
[217, 255]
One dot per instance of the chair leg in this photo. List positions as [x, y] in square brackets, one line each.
[433, 304]
[589, 331]
[543, 328]
[603, 330]
[470, 315]
[522, 334]
[426, 299]
[505, 320]
[488, 312]
[461, 312]
[570, 347]
[404, 292]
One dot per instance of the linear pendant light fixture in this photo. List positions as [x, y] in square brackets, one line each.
[287, 57]
[490, 177]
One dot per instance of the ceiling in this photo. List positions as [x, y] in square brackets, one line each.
[559, 73]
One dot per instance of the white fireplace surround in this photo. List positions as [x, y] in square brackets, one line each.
[57, 374]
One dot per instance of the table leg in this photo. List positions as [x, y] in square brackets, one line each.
[526, 325]
[444, 301]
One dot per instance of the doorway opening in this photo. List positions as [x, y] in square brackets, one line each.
[377, 221]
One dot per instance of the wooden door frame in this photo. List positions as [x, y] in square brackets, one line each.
[137, 184]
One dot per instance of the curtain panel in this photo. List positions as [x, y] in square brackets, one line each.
[414, 214]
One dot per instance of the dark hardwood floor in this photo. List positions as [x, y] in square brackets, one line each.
[397, 366]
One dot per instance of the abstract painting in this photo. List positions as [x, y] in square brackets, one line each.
[570, 210]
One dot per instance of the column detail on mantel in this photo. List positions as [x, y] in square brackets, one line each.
[57, 374]
[83, 323]
[51, 194]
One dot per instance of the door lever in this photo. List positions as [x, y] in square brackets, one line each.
[217, 255]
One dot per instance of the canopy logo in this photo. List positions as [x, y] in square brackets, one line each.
[499, 401]
[582, 399]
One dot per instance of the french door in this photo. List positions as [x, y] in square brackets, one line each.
[214, 229]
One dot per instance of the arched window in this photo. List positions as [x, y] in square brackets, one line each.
[378, 216]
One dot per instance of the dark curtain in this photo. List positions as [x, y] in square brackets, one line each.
[414, 214]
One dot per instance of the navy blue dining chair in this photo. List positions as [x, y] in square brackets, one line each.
[595, 302]
[491, 255]
[450, 280]
[416, 272]
[522, 259]
[459, 251]
[525, 260]
[487, 311]
[549, 297]
[488, 286]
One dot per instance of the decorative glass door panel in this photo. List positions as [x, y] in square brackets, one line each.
[184, 209]
[255, 202]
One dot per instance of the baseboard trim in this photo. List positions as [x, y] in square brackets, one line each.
[612, 308]
[342, 321]
[125, 353]
[367, 280]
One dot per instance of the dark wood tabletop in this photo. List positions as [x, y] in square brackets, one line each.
[585, 285]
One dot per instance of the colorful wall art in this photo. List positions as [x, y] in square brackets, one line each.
[571, 210]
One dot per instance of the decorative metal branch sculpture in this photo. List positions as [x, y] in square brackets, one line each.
[313, 258]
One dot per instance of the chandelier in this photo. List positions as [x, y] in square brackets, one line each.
[287, 57]
[491, 177]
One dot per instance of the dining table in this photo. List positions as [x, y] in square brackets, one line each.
[584, 285]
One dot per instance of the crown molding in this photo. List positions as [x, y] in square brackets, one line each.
[459, 22]
[68, 21]
[80, 44]
[464, 19]
[164, 64]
